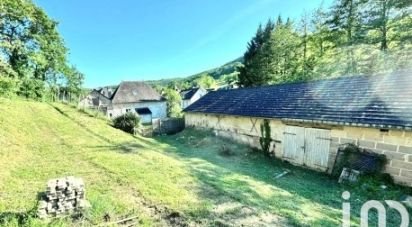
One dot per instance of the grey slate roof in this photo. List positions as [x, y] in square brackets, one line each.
[133, 91]
[381, 101]
[106, 92]
[188, 94]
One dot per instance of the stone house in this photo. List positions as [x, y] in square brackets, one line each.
[310, 121]
[129, 96]
[98, 99]
[190, 96]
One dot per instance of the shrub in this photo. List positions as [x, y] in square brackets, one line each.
[8, 86]
[127, 122]
[265, 138]
[32, 88]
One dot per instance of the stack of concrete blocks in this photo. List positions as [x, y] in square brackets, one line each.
[64, 196]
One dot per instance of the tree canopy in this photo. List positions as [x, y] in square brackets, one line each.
[32, 50]
[174, 100]
[205, 81]
[352, 37]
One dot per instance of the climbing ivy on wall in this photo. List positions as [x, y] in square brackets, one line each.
[265, 138]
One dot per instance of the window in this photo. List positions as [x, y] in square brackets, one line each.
[127, 110]
[110, 115]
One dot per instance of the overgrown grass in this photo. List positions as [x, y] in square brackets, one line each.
[304, 197]
[40, 141]
[185, 173]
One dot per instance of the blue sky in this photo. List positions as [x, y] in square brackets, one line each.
[111, 41]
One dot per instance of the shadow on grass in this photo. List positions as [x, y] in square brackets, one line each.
[303, 196]
[127, 148]
[81, 124]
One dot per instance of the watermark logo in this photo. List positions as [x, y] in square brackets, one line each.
[373, 204]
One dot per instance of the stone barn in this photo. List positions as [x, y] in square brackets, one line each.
[309, 121]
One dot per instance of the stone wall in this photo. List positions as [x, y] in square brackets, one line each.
[396, 145]
[241, 129]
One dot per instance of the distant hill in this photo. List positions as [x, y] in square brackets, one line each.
[216, 73]
[225, 69]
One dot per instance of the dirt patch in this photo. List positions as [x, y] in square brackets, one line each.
[162, 214]
[237, 214]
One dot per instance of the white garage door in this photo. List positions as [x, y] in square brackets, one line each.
[294, 144]
[307, 146]
[317, 147]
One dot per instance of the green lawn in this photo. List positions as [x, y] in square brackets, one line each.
[170, 180]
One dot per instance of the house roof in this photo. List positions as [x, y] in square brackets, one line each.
[106, 91]
[381, 101]
[133, 91]
[98, 94]
[188, 94]
[143, 111]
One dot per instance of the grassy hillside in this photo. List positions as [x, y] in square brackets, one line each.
[183, 179]
[218, 72]
[40, 141]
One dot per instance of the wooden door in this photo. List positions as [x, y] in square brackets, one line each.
[317, 148]
[294, 144]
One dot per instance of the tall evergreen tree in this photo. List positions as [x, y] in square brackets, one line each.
[255, 64]
[346, 19]
[380, 16]
[284, 48]
[352, 37]
[304, 32]
[321, 37]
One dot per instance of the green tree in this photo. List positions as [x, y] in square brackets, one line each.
[346, 21]
[231, 78]
[380, 17]
[74, 81]
[320, 37]
[29, 39]
[6, 70]
[174, 102]
[9, 86]
[256, 60]
[304, 31]
[32, 88]
[352, 37]
[31, 45]
[205, 81]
